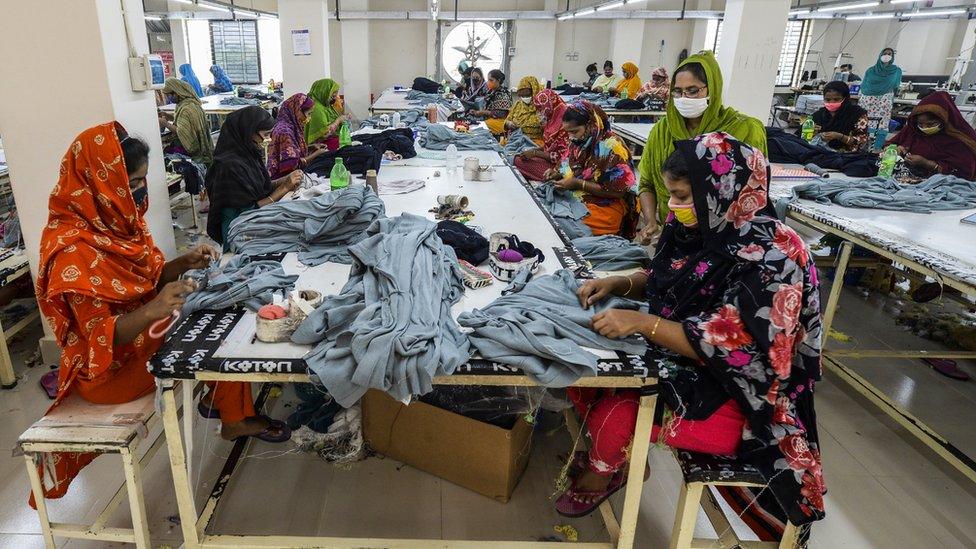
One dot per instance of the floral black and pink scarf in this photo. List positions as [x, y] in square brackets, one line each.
[745, 288]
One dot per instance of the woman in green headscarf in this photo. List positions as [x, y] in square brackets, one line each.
[878, 88]
[189, 122]
[695, 108]
[326, 117]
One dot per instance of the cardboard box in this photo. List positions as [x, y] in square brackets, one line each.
[476, 455]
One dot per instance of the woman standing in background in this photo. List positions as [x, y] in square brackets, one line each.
[878, 88]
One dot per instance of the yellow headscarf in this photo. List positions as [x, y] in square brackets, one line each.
[524, 115]
[632, 84]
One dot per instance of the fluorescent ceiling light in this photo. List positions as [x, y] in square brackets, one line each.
[937, 13]
[243, 13]
[872, 16]
[152, 18]
[850, 6]
[190, 2]
[216, 7]
[903, 1]
[587, 11]
[565, 17]
[800, 12]
[610, 6]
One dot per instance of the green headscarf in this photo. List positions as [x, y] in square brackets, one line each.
[671, 128]
[323, 113]
[192, 128]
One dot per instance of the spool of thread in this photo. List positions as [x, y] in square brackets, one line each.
[510, 256]
[471, 163]
[813, 168]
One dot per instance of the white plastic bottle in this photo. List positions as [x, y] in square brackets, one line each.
[396, 119]
[451, 159]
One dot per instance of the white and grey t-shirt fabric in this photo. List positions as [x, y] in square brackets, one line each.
[566, 209]
[939, 192]
[542, 330]
[390, 327]
[610, 252]
[241, 280]
[320, 229]
[438, 137]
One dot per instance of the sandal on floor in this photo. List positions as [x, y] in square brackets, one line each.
[947, 368]
[277, 431]
[569, 505]
[208, 412]
[49, 382]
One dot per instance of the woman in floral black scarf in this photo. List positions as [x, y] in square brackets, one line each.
[734, 303]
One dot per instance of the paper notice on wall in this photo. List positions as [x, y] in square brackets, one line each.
[301, 42]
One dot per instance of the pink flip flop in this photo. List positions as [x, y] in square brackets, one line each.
[570, 505]
[947, 368]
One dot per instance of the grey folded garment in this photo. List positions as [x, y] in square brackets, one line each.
[320, 229]
[939, 192]
[518, 142]
[605, 102]
[425, 99]
[400, 186]
[241, 280]
[438, 137]
[235, 101]
[566, 209]
[542, 330]
[410, 119]
[390, 327]
[610, 252]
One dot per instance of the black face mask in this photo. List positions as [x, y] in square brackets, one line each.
[140, 195]
[476, 81]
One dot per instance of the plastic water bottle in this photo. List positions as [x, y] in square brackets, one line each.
[889, 159]
[345, 138]
[808, 129]
[624, 94]
[396, 119]
[339, 176]
[559, 79]
[451, 159]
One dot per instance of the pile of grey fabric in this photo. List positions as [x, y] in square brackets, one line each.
[239, 101]
[542, 330]
[390, 327]
[517, 143]
[604, 101]
[939, 192]
[610, 252]
[320, 229]
[425, 99]
[567, 210]
[412, 118]
[438, 137]
[241, 280]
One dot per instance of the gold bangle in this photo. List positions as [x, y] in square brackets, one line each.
[630, 287]
[654, 329]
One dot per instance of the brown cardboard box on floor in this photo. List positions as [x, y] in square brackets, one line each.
[476, 455]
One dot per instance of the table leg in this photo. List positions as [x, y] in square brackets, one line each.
[189, 417]
[835, 288]
[177, 461]
[635, 478]
[8, 380]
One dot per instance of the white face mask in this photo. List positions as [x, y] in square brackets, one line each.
[689, 107]
[526, 100]
[886, 58]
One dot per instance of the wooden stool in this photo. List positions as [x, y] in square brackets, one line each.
[701, 471]
[79, 426]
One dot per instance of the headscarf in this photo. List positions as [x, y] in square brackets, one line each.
[288, 146]
[671, 128]
[844, 119]
[524, 115]
[192, 128]
[324, 112]
[654, 90]
[190, 77]
[470, 92]
[954, 148]
[744, 287]
[238, 177]
[554, 138]
[603, 158]
[632, 84]
[96, 244]
[221, 82]
[881, 78]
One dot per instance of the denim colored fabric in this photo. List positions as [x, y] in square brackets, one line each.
[438, 137]
[241, 280]
[542, 330]
[610, 253]
[390, 327]
[425, 99]
[320, 229]
[412, 118]
[567, 210]
[518, 142]
[939, 192]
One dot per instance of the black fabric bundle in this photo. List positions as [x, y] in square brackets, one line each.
[357, 159]
[790, 149]
[467, 243]
[426, 85]
[399, 141]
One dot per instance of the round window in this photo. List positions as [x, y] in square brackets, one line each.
[478, 43]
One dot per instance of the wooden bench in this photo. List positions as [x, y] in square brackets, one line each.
[79, 426]
[701, 471]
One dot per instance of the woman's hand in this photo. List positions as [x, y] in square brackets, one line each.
[831, 136]
[902, 151]
[618, 323]
[171, 298]
[200, 257]
[552, 174]
[594, 290]
[648, 233]
[918, 161]
[509, 125]
[570, 184]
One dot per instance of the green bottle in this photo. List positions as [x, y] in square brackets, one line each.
[889, 159]
[808, 129]
[345, 138]
[339, 176]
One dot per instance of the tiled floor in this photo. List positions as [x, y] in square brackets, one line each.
[886, 489]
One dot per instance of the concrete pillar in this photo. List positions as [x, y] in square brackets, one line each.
[357, 69]
[299, 71]
[752, 37]
[700, 28]
[626, 43]
[88, 50]
[177, 30]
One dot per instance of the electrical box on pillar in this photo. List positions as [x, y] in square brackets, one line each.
[147, 72]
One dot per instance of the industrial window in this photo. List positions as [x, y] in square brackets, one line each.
[792, 57]
[235, 49]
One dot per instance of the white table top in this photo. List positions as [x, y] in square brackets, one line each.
[633, 131]
[211, 104]
[394, 100]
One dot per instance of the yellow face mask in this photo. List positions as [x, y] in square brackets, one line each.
[684, 213]
[930, 130]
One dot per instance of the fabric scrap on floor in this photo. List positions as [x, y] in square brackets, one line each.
[320, 229]
[939, 192]
[610, 252]
[439, 137]
[390, 327]
[566, 209]
[241, 280]
[542, 330]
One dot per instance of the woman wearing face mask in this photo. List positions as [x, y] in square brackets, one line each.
[288, 151]
[238, 181]
[498, 102]
[657, 88]
[189, 122]
[535, 163]
[878, 88]
[477, 87]
[843, 126]
[524, 115]
[606, 81]
[327, 117]
[937, 139]
[102, 283]
[734, 306]
[591, 75]
[631, 83]
[695, 108]
[598, 167]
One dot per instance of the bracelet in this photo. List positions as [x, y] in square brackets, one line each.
[654, 329]
[631, 286]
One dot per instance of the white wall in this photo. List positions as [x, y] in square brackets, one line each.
[535, 50]
[201, 54]
[589, 38]
[677, 36]
[269, 46]
[923, 47]
[397, 53]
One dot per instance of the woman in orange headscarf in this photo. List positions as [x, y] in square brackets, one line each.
[102, 283]
[631, 83]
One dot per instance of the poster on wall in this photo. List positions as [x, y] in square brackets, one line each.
[167, 57]
[301, 42]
